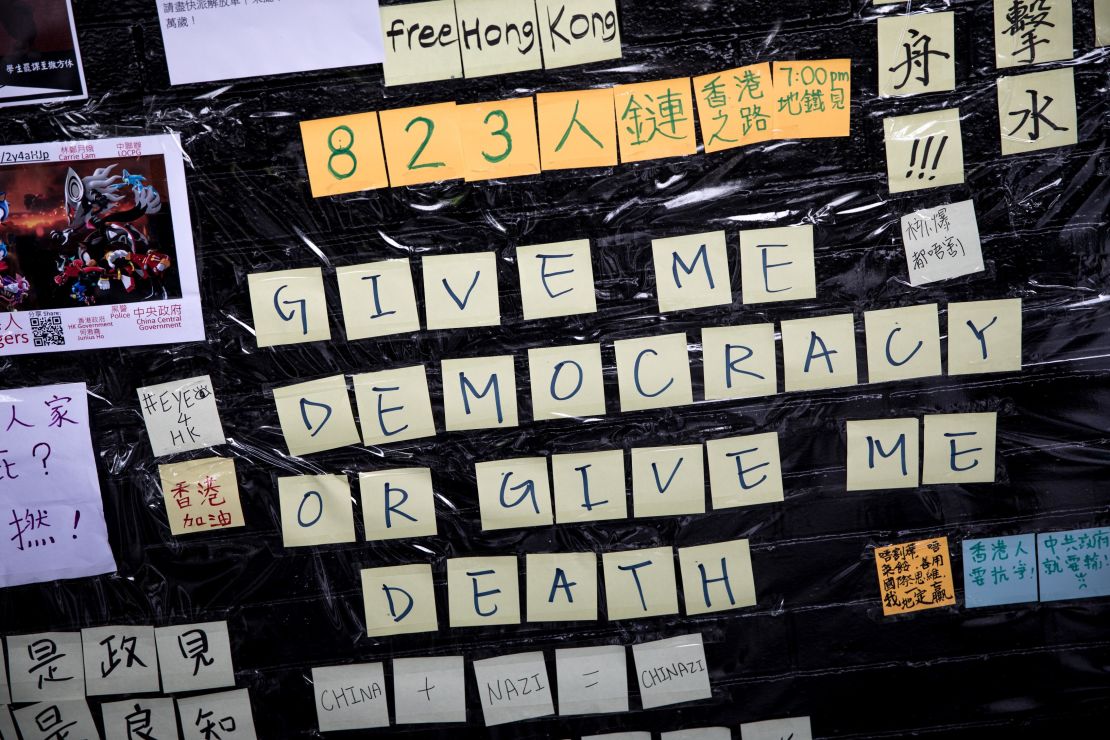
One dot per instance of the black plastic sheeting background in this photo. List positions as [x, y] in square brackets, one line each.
[817, 643]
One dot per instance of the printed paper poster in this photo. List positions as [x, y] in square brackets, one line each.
[52, 513]
[40, 61]
[97, 246]
[213, 41]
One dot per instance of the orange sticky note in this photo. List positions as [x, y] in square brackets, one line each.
[422, 144]
[655, 119]
[499, 139]
[344, 154]
[735, 107]
[577, 129]
[812, 98]
[915, 576]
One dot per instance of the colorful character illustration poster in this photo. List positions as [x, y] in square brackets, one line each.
[96, 248]
[40, 61]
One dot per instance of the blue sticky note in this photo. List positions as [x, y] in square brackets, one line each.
[1000, 570]
[1074, 564]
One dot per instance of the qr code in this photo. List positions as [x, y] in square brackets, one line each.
[47, 331]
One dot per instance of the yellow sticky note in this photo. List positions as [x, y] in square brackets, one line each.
[819, 353]
[479, 393]
[344, 154]
[483, 591]
[960, 448]
[400, 600]
[577, 129]
[984, 337]
[566, 382]
[499, 139]
[514, 493]
[589, 486]
[691, 271]
[315, 510]
[1037, 111]
[421, 42]
[1102, 22]
[739, 361]
[813, 99]
[915, 576]
[394, 405]
[924, 150]
[460, 290]
[735, 107]
[653, 372]
[561, 587]
[289, 306]
[578, 32]
[422, 144]
[398, 503]
[902, 343]
[556, 279]
[744, 471]
[717, 577]
[1031, 32]
[377, 299]
[655, 119]
[639, 583]
[201, 495]
[667, 481]
[916, 54]
[777, 264]
[498, 37]
[883, 453]
[316, 416]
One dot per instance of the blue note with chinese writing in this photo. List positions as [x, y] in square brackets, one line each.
[1000, 570]
[1074, 564]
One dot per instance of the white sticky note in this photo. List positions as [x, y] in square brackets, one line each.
[429, 690]
[483, 591]
[514, 493]
[561, 587]
[377, 299]
[1031, 32]
[129, 720]
[924, 150]
[289, 306]
[1037, 111]
[7, 723]
[460, 290]
[917, 53]
[717, 577]
[479, 393]
[819, 353]
[960, 448]
[739, 361]
[698, 733]
[181, 415]
[397, 503]
[639, 583]
[777, 264]
[566, 382]
[984, 336]
[744, 471]
[883, 453]
[671, 671]
[350, 697]
[120, 659]
[194, 657]
[394, 405]
[316, 416]
[589, 486]
[556, 279]
[942, 242]
[596, 36]
[5, 689]
[513, 688]
[795, 728]
[46, 720]
[592, 680]
[229, 713]
[46, 666]
[421, 42]
[619, 736]
[653, 372]
[315, 510]
[399, 600]
[668, 481]
[902, 343]
[691, 271]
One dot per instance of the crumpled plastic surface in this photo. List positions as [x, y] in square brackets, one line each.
[817, 643]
